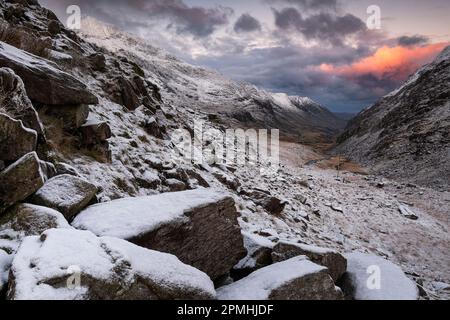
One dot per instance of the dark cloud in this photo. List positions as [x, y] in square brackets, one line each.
[315, 5]
[320, 26]
[407, 41]
[198, 21]
[247, 23]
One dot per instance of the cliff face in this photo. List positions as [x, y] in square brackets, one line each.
[406, 134]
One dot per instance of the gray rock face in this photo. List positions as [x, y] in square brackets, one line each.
[32, 220]
[94, 132]
[100, 269]
[16, 103]
[20, 180]
[405, 135]
[44, 82]
[200, 227]
[335, 262]
[15, 139]
[294, 279]
[65, 193]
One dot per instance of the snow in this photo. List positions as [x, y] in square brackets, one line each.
[260, 284]
[57, 251]
[395, 285]
[5, 263]
[131, 217]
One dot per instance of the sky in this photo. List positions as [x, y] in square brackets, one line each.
[323, 49]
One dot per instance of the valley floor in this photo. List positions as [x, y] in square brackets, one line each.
[354, 211]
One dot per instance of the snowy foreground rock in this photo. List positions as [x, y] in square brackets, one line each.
[200, 227]
[294, 279]
[334, 261]
[72, 264]
[360, 281]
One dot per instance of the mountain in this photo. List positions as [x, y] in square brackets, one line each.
[405, 135]
[236, 104]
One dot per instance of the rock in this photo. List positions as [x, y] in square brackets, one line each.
[107, 269]
[335, 262]
[407, 212]
[337, 208]
[66, 194]
[153, 128]
[363, 270]
[231, 182]
[16, 103]
[20, 180]
[271, 204]
[64, 168]
[48, 169]
[15, 140]
[5, 265]
[175, 185]
[130, 99]
[97, 62]
[200, 226]
[29, 219]
[71, 116]
[301, 198]
[149, 179]
[54, 27]
[259, 255]
[44, 82]
[294, 279]
[93, 132]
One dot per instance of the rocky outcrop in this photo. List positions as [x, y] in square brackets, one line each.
[200, 227]
[15, 102]
[294, 279]
[70, 117]
[370, 277]
[45, 83]
[259, 255]
[65, 193]
[100, 269]
[15, 140]
[335, 262]
[20, 180]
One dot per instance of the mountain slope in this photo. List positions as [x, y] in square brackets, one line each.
[237, 104]
[406, 134]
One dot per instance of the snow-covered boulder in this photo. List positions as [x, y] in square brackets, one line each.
[93, 132]
[5, 264]
[270, 203]
[294, 279]
[16, 103]
[66, 193]
[44, 81]
[15, 140]
[20, 180]
[77, 265]
[371, 277]
[333, 260]
[200, 226]
[259, 255]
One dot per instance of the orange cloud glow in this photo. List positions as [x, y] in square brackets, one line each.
[396, 63]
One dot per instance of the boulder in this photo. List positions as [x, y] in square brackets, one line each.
[93, 132]
[16, 103]
[45, 83]
[371, 277]
[334, 261]
[294, 279]
[97, 62]
[271, 204]
[77, 265]
[259, 255]
[5, 265]
[153, 128]
[407, 212]
[175, 185]
[15, 140]
[129, 98]
[64, 168]
[65, 193]
[20, 180]
[200, 226]
[71, 116]
[231, 182]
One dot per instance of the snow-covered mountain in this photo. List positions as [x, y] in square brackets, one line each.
[406, 134]
[238, 104]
